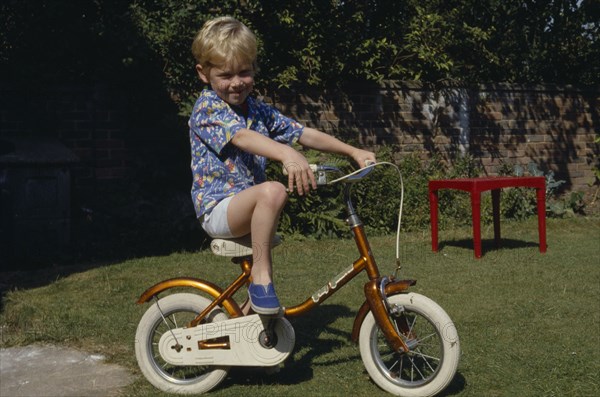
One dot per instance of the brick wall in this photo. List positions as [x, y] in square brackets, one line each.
[554, 127]
[551, 126]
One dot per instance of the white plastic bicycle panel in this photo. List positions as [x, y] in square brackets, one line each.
[244, 349]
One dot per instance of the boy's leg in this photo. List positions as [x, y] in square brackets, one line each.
[256, 210]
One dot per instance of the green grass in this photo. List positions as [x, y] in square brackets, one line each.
[529, 323]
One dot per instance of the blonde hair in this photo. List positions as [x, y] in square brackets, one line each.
[222, 41]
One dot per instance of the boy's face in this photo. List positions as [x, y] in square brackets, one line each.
[232, 83]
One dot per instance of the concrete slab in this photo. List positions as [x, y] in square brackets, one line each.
[53, 371]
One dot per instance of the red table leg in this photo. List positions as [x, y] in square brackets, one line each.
[496, 213]
[541, 208]
[476, 211]
[433, 214]
[475, 186]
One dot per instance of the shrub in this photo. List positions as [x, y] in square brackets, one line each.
[316, 215]
[520, 203]
[377, 199]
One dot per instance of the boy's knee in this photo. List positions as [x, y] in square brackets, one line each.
[275, 192]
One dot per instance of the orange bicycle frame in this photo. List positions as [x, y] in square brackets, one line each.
[374, 299]
[376, 290]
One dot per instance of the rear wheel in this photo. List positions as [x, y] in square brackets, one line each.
[430, 364]
[171, 312]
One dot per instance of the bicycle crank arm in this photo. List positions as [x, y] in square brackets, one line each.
[242, 341]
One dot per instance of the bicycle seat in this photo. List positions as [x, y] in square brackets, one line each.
[236, 247]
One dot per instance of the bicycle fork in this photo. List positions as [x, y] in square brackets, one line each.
[377, 301]
[377, 288]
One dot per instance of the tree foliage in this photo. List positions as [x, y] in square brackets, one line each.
[65, 41]
[470, 41]
[314, 42]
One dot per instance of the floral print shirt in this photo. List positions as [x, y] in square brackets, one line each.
[221, 170]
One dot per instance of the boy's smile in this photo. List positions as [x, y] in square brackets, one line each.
[232, 83]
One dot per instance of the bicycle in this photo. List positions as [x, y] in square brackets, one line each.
[186, 343]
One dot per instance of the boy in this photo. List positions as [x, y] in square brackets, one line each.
[231, 135]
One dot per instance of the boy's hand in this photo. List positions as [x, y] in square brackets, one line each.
[299, 173]
[363, 156]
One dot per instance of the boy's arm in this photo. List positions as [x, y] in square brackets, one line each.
[299, 172]
[318, 140]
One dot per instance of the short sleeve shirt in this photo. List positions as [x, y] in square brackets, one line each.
[220, 169]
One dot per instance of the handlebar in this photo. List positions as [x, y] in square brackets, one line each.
[321, 173]
[356, 175]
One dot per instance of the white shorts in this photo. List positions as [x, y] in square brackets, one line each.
[215, 222]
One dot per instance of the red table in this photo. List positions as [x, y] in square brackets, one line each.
[477, 185]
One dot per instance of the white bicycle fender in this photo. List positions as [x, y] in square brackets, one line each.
[245, 349]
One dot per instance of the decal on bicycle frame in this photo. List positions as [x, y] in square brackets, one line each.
[332, 284]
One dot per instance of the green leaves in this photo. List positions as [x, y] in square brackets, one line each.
[308, 41]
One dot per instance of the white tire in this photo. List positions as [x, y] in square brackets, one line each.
[174, 311]
[432, 361]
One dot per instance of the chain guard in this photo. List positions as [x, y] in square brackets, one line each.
[245, 341]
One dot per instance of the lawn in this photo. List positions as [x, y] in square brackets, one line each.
[529, 323]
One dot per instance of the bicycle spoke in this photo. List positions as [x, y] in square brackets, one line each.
[426, 361]
[422, 361]
[417, 352]
[401, 368]
[412, 326]
[165, 320]
[391, 369]
[431, 335]
[414, 367]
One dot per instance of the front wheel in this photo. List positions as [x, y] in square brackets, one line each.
[430, 364]
[171, 312]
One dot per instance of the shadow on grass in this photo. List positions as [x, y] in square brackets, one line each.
[118, 225]
[487, 244]
[456, 386]
[310, 344]
[94, 244]
[93, 251]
